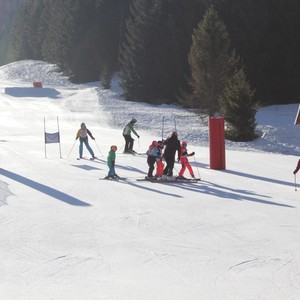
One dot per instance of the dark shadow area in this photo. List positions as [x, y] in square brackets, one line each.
[260, 178]
[145, 188]
[44, 188]
[132, 169]
[32, 92]
[208, 188]
[86, 167]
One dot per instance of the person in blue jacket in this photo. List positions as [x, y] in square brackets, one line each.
[152, 154]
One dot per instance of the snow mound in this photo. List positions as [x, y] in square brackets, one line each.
[32, 70]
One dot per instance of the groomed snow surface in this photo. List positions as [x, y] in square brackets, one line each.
[66, 235]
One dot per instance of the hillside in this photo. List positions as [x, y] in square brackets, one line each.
[65, 234]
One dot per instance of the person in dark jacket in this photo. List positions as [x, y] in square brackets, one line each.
[172, 146]
[82, 134]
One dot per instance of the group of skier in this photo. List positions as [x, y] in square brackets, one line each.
[157, 153]
[160, 151]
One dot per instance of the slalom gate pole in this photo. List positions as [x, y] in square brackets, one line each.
[295, 182]
[162, 128]
[175, 123]
[98, 148]
[123, 147]
[197, 167]
[71, 149]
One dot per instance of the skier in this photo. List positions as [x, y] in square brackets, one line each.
[82, 134]
[297, 168]
[172, 145]
[127, 136]
[111, 159]
[159, 160]
[184, 161]
[152, 153]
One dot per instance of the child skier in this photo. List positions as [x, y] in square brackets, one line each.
[111, 163]
[82, 134]
[159, 160]
[152, 153]
[184, 161]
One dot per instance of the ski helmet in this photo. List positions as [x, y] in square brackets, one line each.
[133, 120]
[184, 143]
[82, 126]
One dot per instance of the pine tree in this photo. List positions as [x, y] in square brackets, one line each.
[239, 108]
[136, 57]
[211, 61]
[63, 26]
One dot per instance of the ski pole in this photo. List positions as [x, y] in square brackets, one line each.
[98, 148]
[295, 182]
[197, 167]
[162, 128]
[72, 148]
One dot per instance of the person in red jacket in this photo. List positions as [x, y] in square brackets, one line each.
[159, 160]
[297, 168]
[184, 161]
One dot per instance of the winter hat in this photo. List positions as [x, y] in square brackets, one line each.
[82, 126]
[183, 143]
[133, 120]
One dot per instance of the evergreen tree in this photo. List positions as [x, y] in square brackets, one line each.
[212, 63]
[136, 57]
[239, 108]
[63, 26]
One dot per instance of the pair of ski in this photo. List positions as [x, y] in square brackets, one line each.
[175, 180]
[79, 158]
[172, 180]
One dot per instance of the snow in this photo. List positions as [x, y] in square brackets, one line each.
[64, 234]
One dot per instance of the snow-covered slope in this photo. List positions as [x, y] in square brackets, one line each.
[64, 234]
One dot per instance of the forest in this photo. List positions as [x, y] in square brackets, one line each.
[149, 42]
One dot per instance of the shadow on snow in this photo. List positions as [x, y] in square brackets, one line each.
[44, 188]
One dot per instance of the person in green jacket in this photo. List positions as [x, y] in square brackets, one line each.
[127, 136]
[111, 163]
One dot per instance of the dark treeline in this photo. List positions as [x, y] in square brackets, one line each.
[8, 8]
[148, 43]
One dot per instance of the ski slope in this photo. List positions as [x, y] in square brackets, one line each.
[65, 234]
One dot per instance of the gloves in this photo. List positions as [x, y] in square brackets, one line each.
[193, 153]
[93, 138]
[113, 163]
[138, 136]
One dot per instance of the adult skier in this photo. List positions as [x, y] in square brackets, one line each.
[82, 135]
[172, 145]
[127, 136]
[185, 162]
